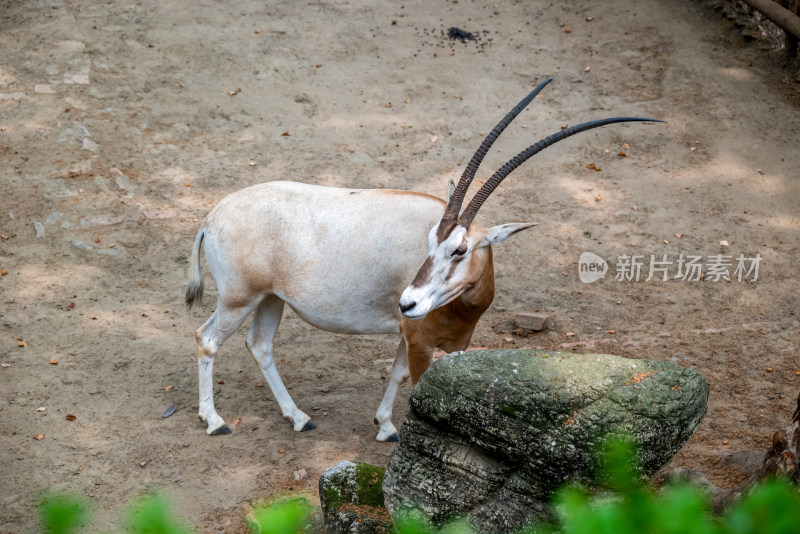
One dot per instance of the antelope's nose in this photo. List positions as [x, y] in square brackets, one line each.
[407, 306]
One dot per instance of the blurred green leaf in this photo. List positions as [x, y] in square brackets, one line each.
[283, 517]
[152, 515]
[61, 513]
[772, 507]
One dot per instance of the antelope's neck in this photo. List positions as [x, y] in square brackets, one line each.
[478, 298]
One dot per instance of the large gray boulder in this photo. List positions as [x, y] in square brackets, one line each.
[491, 434]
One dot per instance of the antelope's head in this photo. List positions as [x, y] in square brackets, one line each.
[459, 250]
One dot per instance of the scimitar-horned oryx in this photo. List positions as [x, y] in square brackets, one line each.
[353, 261]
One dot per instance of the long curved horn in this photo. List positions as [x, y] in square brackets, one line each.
[454, 206]
[491, 184]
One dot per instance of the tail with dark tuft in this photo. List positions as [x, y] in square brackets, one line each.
[194, 288]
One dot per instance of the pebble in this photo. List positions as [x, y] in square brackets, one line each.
[39, 227]
[300, 474]
[57, 188]
[73, 133]
[88, 144]
[533, 321]
[75, 103]
[105, 251]
[100, 220]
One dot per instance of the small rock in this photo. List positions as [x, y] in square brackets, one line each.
[100, 220]
[75, 103]
[534, 321]
[88, 144]
[39, 229]
[351, 497]
[166, 213]
[58, 189]
[80, 168]
[73, 133]
[300, 474]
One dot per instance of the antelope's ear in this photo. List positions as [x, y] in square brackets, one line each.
[498, 234]
[451, 186]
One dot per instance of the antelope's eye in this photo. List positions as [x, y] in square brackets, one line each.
[460, 251]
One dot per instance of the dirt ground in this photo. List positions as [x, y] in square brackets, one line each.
[123, 124]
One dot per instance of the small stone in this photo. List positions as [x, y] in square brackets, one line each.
[534, 321]
[88, 144]
[351, 499]
[300, 474]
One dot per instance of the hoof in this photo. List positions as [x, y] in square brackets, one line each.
[221, 431]
[309, 426]
[394, 438]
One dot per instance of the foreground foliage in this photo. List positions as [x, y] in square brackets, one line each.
[771, 507]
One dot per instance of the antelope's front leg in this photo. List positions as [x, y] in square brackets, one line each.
[419, 359]
[383, 418]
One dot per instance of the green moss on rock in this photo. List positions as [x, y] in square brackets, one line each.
[351, 497]
[369, 481]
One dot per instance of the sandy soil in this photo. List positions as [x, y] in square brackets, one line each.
[122, 124]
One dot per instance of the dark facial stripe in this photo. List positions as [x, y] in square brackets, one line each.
[443, 231]
[424, 273]
[453, 264]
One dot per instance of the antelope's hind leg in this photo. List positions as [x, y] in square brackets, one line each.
[259, 342]
[210, 337]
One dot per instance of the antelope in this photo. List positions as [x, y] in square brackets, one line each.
[353, 261]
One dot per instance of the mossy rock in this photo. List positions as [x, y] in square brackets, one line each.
[351, 496]
[491, 434]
